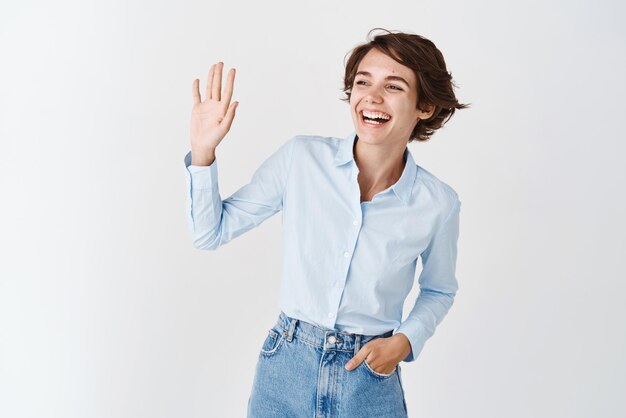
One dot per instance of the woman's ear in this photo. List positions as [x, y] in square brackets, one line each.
[425, 114]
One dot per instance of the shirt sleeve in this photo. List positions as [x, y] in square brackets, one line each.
[214, 222]
[438, 285]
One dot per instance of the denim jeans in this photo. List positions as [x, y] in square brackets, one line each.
[300, 373]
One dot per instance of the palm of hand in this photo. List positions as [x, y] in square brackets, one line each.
[212, 117]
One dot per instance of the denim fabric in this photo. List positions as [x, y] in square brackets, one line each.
[300, 373]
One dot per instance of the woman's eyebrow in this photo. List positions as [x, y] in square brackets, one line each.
[389, 77]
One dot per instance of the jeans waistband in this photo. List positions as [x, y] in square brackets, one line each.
[323, 338]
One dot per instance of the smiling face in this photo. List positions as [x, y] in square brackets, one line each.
[383, 85]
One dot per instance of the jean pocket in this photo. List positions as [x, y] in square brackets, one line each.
[272, 342]
[376, 374]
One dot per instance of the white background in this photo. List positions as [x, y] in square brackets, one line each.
[107, 310]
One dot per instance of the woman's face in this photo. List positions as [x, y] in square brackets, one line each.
[382, 84]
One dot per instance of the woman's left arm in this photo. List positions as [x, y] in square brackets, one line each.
[438, 284]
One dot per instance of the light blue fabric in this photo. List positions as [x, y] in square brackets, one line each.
[347, 265]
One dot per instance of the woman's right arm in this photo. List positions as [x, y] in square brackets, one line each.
[213, 221]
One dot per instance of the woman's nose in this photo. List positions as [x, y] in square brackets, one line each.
[373, 97]
[374, 94]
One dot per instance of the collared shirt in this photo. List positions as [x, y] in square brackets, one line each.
[347, 265]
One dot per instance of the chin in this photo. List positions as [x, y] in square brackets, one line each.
[369, 137]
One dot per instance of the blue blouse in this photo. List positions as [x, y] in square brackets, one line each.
[347, 265]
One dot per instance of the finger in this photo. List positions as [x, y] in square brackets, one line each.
[216, 91]
[228, 89]
[230, 115]
[195, 91]
[357, 359]
[209, 82]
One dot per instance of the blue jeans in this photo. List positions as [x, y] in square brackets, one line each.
[300, 373]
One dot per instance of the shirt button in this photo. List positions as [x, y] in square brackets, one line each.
[331, 339]
[355, 222]
[346, 254]
[337, 284]
[330, 314]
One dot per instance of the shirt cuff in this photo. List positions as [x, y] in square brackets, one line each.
[416, 335]
[201, 177]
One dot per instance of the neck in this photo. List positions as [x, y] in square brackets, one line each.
[379, 166]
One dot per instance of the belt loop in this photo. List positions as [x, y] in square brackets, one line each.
[357, 344]
[292, 328]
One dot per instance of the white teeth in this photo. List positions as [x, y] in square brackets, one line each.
[378, 115]
[374, 115]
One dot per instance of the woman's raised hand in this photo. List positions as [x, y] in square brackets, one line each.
[211, 119]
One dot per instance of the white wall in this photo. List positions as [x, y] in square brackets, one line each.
[107, 310]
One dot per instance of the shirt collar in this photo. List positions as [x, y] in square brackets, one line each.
[403, 187]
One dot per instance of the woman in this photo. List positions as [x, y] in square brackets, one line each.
[357, 214]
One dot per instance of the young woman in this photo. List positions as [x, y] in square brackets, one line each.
[357, 214]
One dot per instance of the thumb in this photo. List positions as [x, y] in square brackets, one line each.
[230, 115]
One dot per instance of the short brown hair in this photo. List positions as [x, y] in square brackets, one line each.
[434, 82]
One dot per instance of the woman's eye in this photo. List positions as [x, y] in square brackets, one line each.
[391, 85]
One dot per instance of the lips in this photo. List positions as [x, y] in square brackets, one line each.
[375, 111]
[370, 124]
